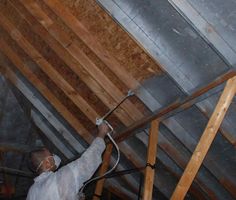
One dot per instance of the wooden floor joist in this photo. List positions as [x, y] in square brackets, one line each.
[102, 170]
[205, 140]
[151, 160]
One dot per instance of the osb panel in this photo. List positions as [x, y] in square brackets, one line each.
[60, 66]
[119, 84]
[113, 38]
[98, 106]
[84, 48]
[56, 62]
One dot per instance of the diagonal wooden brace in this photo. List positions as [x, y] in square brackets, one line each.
[205, 140]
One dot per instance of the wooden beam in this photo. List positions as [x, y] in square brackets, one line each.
[30, 95]
[72, 48]
[139, 162]
[151, 160]
[177, 106]
[78, 61]
[90, 40]
[22, 67]
[102, 170]
[211, 164]
[206, 140]
[48, 69]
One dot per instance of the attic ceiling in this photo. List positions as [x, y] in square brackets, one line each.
[66, 62]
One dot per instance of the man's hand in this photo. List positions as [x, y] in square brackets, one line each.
[103, 129]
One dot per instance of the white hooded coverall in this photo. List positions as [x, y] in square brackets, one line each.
[65, 183]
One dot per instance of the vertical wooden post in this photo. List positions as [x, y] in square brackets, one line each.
[151, 160]
[206, 140]
[102, 170]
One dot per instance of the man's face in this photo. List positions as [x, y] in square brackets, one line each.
[48, 162]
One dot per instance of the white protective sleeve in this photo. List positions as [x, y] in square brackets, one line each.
[71, 177]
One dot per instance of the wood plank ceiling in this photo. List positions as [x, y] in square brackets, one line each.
[83, 63]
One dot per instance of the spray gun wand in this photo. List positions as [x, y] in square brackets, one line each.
[101, 120]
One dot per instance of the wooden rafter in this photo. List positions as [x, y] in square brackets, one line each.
[205, 140]
[80, 56]
[90, 40]
[48, 69]
[30, 74]
[211, 164]
[30, 95]
[79, 62]
[22, 67]
[151, 160]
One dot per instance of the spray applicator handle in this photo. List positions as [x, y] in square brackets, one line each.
[99, 121]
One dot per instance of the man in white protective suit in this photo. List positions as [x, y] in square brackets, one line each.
[65, 183]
